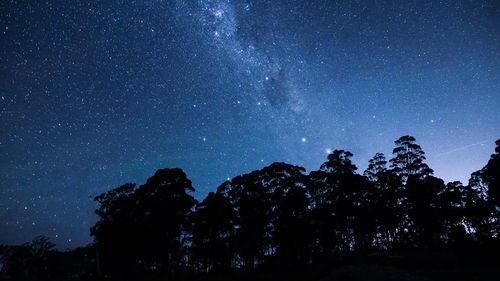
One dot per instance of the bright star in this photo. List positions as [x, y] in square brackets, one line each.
[303, 139]
[218, 13]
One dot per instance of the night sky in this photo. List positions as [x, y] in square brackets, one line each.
[98, 93]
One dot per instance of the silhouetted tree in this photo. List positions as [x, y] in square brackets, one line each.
[212, 230]
[341, 207]
[324, 189]
[115, 232]
[339, 162]
[485, 212]
[409, 159]
[455, 201]
[492, 175]
[425, 225]
[387, 202]
[253, 209]
[323, 217]
[259, 198]
[144, 227]
[290, 220]
[376, 166]
[30, 261]
[489, 177]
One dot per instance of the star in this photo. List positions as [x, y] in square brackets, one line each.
[218, 13]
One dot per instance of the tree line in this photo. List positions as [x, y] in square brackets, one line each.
[280, 218]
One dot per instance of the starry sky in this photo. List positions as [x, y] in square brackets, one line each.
[94, 94]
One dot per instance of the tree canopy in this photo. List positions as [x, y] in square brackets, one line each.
[282, 217]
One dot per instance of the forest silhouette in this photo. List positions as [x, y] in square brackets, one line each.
[280, 223]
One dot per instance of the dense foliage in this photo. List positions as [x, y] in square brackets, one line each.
[281, 219]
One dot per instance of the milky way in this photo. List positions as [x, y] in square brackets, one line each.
[98, 93]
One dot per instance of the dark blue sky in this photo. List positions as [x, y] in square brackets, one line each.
[98, 93]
